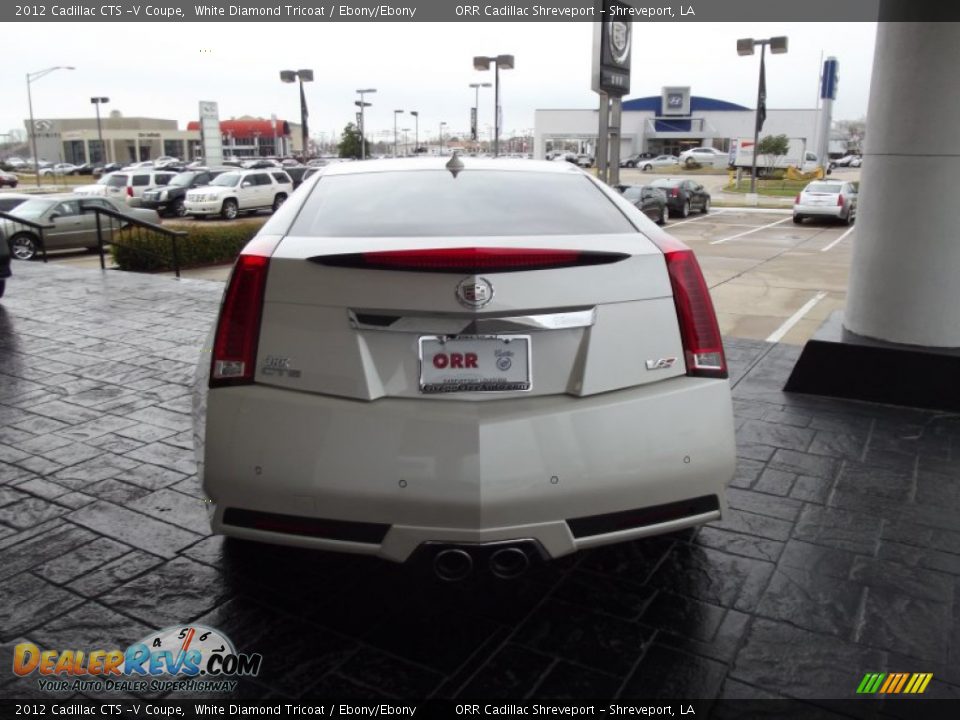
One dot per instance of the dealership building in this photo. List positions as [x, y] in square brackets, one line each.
[132, 139]
[669, 123]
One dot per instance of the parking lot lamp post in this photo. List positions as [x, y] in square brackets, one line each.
[363, 129]
[476, 109]
[416, 131]
[289, 76]
[395, 113]
[482, 62]
[103, 151]
[442, 126]
[33, 130]
[745, 46]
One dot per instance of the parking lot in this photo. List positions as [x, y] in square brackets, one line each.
[840, 554]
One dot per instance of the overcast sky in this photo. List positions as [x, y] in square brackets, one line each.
[162, 70]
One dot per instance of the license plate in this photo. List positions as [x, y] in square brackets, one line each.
[474, 363]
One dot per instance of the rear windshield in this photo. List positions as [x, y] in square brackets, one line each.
[823, 188]
[431, 203]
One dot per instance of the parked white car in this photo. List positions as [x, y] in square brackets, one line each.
[832, 199]
[126, 186]
[658, 162]
[59, 169]
[704, 156]
[239, 191]
[474, 362]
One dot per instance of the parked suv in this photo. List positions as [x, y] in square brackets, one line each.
[236, 191]
[126, 185]
[168, 200]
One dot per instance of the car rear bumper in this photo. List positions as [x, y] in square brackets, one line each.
[385, 477]
[834, 211]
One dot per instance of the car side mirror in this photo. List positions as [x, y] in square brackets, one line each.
[54, 216]
[246, 183]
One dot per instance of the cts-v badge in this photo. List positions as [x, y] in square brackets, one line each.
[474, 292]
[661, 364]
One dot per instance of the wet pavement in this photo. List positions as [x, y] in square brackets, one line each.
[840, 554]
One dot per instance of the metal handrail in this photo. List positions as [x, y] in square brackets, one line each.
[40, 227]
[129, 220]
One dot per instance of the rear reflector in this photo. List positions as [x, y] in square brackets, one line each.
[343, 530]
[238, 330]
[702, 344]
[642, 517]
[469, 260]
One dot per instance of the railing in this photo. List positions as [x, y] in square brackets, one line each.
[31, 231]
[109, 220]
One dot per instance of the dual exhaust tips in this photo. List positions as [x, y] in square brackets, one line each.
[506, 563]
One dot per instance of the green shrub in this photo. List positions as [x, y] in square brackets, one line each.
[144, 251]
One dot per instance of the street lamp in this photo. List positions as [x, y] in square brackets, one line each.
[481, 62]
[442, 126]
[745, 46]
[476, 110]
[98, 101]
[406, 141]
[361, 104]
[33, 135]
[395, 113]
[416, 137]
[289, 76]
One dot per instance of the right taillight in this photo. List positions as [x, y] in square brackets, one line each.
[699, 331]
[238, 329]
[840, 201]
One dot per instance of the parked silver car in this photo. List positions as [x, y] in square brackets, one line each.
[71, 229]
[831, 199]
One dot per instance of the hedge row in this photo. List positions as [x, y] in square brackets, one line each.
[144, 251]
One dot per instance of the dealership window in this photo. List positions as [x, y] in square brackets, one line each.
[96, 152]
[73, 152]
[173, 148]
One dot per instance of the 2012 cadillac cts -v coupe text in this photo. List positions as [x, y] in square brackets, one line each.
[478, 362]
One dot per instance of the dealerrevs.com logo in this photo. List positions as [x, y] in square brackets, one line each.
[193, 658]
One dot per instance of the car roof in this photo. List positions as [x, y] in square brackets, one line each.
[439, 163]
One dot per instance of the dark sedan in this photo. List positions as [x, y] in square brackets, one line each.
[8, 179]
[651, 200]
[684, 196]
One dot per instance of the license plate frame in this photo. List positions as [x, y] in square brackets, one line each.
[435, 380]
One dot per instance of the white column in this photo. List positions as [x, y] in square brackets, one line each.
[904, 285]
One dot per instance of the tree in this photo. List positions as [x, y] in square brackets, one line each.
[349, 146]
[773, 147]
[852, 133]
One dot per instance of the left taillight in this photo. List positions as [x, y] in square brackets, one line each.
[129, 191]
[238, 328]
[699, 331]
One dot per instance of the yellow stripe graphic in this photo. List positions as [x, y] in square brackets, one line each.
[913, 684]
[926, 681]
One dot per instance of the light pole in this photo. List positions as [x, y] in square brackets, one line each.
[406, 141]
[416, 136]
[442, 125]
[745, 46]
[475, 130]
[33, 130]
[289, 76]
[395, 113]
[103, 151]
[482, 62]
[363, 129]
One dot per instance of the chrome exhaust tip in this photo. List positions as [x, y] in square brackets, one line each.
[509, 563]
[452, 565]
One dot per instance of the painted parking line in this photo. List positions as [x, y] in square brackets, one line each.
[828, 247]
[778, 334]
[749, 232]
[697, 219]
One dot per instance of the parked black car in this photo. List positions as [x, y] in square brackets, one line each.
[108, 168]
[651, 200]
[296, 173]
[684, 196]
[168, 199]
